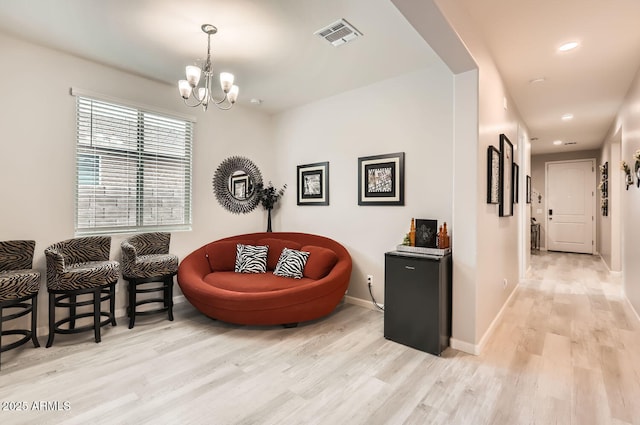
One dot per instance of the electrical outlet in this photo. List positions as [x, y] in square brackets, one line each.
[505, 282]
[369, 279]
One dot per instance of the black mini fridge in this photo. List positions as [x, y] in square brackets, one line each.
[417, 300]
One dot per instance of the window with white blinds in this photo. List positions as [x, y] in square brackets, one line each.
[133, 169]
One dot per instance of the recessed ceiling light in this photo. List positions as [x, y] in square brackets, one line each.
[568, 46]
[537, 80]
[567, 117]
[557, 142]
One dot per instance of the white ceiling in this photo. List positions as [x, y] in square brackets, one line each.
[269, 45]
[589, 82]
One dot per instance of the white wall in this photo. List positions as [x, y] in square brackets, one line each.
[37, 150]
[411, 113]
[627, 129]
[492, 247]
[498, 250]
[497, 237]
[465, 212]
[608, 228]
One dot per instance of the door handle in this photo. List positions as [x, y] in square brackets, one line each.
[409, 268]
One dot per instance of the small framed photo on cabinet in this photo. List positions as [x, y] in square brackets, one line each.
[426, 233]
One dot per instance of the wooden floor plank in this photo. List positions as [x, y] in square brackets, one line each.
[566, 351]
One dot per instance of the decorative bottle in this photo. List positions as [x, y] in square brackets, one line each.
[445, 236]
[412, 233]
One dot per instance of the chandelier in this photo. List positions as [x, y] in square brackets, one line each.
[202, 95]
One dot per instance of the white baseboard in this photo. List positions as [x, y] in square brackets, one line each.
[362, 303]
[476, 349]
[464, 346]
[632, 309]
[467, 347]
[613, 273]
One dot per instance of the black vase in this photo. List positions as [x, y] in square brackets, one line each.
[269, 220]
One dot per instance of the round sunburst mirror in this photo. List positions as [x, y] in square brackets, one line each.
[234, 184]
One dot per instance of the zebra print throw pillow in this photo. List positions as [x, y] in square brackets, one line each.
[251, 259]
[291, 263]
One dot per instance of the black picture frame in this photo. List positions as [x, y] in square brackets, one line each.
[516, 183]
[426, 233]
[381, 179]
[493, 175]
[528, 189]
[506, 177]
[313, 183]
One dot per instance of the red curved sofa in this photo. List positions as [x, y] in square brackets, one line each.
[209, 282]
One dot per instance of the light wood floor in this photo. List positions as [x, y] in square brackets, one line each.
[566, 351]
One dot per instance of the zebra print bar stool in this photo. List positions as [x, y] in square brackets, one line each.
[77, 267]
[19, 284]
[146, 259]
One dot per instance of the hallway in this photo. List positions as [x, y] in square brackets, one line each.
[570, 344]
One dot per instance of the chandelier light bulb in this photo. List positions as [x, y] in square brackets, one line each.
[193, 75]
[226, 81]
[185, 89]
[233, 94]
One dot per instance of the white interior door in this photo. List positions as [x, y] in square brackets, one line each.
[570, 206]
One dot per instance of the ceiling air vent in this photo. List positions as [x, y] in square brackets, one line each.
[338, 33]
[570, 143]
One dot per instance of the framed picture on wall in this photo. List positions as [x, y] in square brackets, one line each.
[516, 184]
[506, 177]
[493, 175]
[313, 184]
[381, 179]
[528, 189]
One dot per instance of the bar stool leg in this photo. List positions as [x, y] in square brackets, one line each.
[34, 321]
[0, 337]
[72, 311]
[132, 303]
[112, 303]
[96, 313]
[52, 319]
[168, 295]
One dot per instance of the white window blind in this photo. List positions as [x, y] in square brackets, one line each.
[133, 169]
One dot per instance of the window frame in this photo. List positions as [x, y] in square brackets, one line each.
[143, 149]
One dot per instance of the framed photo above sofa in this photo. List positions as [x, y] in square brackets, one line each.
[381, 179]
[313, 184]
